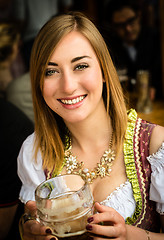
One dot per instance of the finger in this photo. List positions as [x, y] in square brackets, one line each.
[32, 237]
[106, 214]
[108, 231]
[30, 207]
[34, 228]
[113, 222]
[51, 238]
[108, 218]
[101, 208]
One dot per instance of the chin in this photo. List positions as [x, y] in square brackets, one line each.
[75, 119]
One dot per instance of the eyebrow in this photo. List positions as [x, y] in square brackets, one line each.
[78, 58]
[72, 61]
[52, 64]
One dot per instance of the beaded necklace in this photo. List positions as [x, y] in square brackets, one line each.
[103, 167]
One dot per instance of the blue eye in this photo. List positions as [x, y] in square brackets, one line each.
[81, 67]
[50, 72]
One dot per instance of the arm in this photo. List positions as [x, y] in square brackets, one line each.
[156, 140]
[31, 175]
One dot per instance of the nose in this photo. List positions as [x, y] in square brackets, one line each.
[68, 82]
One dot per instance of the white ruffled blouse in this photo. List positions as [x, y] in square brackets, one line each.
[122, 200]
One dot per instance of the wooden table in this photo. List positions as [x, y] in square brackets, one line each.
[157, 114]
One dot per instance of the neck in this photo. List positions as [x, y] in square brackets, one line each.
[93, 132]
[90, 154]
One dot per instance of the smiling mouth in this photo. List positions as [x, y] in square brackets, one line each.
[72, 101]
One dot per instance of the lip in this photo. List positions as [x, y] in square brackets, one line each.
[72, 102]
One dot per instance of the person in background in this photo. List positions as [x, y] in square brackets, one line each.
[82, 125]
[14, 128]
[19, 93]
[9, 42]
[32, 15]
[133, 46]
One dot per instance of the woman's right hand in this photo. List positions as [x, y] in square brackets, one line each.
[32, 229]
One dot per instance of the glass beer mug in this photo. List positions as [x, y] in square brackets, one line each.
[64, 204]
[144, 103]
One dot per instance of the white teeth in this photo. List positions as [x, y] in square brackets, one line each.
[73, 101]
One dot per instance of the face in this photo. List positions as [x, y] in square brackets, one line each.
[73, 80]
[126, 24]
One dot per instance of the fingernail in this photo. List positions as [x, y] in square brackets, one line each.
[90, 219]
[48, 230]
[89, 227]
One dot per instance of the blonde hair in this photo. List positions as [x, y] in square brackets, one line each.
[49, 127]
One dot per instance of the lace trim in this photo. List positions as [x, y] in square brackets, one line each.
[130, 165]
[115, 191]
[160, 212]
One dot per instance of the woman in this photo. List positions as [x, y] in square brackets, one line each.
[80, 116]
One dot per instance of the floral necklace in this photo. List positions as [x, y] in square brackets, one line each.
[74, 167]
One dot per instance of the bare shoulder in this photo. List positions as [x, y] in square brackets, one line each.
[157, 138]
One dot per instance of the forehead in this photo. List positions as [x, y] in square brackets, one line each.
[123, 14]
[74, 43]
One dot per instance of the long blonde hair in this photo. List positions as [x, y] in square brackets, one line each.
[49, 127]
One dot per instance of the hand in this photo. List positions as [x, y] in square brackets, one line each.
[107, 222]
[32, 229]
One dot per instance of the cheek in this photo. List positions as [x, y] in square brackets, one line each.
[48, 89]
[95, 80]
[48, 94]
[120, 32]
